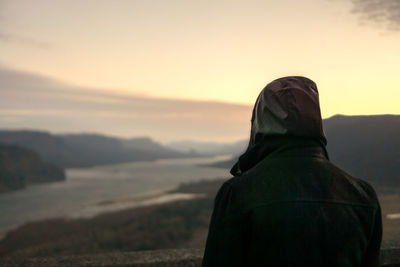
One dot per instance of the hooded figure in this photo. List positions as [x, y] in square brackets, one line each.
[287, 204]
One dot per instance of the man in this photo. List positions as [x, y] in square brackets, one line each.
[288, 205]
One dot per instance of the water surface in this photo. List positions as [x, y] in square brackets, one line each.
[89, 191]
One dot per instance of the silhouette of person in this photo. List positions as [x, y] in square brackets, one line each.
[287, 204]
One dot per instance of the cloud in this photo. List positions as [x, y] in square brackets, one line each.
[32, 101]
[385, 13]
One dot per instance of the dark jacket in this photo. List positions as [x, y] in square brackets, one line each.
[288, 205]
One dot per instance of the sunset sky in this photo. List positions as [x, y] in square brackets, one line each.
[194, 53]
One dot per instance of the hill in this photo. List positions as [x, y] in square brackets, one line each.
[20, 167]
[365, 146]
[83, 150]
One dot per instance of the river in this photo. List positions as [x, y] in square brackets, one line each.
[89, 191]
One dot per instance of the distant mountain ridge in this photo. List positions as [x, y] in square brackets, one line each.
[20, 167]
[209, 148]
[367, 147]
[83, 150]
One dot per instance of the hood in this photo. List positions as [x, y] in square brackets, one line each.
[287, 107]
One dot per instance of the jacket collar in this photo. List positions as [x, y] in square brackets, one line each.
[279, 146]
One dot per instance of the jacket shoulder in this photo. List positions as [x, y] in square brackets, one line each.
[364, 188]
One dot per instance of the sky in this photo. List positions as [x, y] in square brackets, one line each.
[206, 61]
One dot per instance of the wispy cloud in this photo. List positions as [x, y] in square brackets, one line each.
[31, 101]
[23, 40]
[385, 13]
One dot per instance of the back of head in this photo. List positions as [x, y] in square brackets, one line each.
[288, 106]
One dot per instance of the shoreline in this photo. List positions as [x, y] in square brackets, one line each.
[109, 206]
[141, 201]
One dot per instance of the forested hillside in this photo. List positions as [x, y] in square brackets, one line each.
[20, 167]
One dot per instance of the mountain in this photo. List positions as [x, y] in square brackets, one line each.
[209, 148]
[82, 150]
[365, 146]
[20, 167]
[147, 144]
[51, 148]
